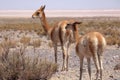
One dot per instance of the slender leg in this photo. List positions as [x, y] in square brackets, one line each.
[64, 58]
[67, 62]
[81, 67]
[101, 66]
[95, 59]
[63, 67]
[89, 67]
[55, 52]
[67, 55]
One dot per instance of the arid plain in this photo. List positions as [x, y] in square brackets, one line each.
[61, 13]
[15, 25]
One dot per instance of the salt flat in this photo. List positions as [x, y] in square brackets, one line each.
[61, 13]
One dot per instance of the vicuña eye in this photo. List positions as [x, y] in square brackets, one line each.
[37, 13]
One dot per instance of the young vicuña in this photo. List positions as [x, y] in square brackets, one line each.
[90, 45]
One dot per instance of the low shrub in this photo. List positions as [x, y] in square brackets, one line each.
[25, 40]
[18, 65]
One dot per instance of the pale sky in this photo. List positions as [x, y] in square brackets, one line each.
[59, 4]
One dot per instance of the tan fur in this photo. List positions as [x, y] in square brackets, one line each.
[58, 34]
[1, 51]
[90, 45]
[90, 42]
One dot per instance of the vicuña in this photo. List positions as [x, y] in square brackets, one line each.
[90, 45]
[58, 34]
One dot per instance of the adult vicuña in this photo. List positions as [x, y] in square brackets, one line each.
[58, 34]
[90, 45]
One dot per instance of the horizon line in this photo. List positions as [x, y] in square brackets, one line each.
[60, 10]
[61, 13]
[54, 9]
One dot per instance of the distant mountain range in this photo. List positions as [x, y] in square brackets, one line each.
[62, 13]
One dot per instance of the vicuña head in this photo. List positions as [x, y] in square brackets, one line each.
[41, 15]
[39, 12]
[74, 27]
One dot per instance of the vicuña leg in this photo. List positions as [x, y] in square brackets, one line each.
[65, 55]
[55, 52]
[81, 67]
[89, 67]
[101, 66]
[95, 59]
[68, 54]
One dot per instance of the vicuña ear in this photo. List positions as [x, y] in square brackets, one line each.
[68, 26]
[43, 7]
[77, 22]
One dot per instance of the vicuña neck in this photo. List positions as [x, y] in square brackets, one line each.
[44, 23]
[76, 35]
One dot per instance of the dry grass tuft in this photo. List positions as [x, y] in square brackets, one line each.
[5, 45]
[21, 66]
[25, 40]
[36, 43]
[8, 43]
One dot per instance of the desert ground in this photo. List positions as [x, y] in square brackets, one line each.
[15, 28]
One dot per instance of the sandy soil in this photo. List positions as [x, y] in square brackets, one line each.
[111, 58]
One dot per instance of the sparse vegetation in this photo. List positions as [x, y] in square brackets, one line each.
[36, 43]
[5, 45]
[20, 66]
[109, 26]
[110, 29]
[25, 40]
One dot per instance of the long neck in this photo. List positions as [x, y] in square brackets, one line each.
[44, 23]
[76, 33]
